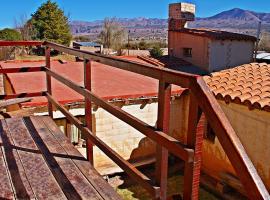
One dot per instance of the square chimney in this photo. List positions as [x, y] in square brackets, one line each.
[179, 14]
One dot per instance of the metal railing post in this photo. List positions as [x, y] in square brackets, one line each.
[48, 78]
[88, 109]
[164, 98]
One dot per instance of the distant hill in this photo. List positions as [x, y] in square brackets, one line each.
[138, 27]
[235, 20]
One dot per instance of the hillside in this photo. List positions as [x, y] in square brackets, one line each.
[235, 20]
[138, 27]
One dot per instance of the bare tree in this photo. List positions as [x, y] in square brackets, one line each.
[264, 44]
[23, 25]
[113, 34]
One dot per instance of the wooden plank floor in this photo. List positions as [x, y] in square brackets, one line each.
[37, 161]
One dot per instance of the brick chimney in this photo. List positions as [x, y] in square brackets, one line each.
[180, 14]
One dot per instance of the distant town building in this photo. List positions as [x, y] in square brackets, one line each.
[88, 46]
[212, 50]
[263, 57]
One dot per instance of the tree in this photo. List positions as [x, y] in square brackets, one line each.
[23, 25]
[50, 23]
[156, 52]
[264, 44]
[9, 34]
[113, 35]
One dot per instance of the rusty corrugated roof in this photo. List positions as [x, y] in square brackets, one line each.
[247, 84]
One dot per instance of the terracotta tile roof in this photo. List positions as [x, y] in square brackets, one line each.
[247, 84]
[217, 34]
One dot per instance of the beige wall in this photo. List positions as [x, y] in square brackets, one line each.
[253, 129]
[208, 54]
[199, 45]
[229, 53]
[128, 142]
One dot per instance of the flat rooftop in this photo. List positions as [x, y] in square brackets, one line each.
[107, 82]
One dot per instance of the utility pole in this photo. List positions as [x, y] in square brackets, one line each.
[128, 41]
[258, 40]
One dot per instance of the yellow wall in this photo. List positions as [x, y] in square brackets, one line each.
[253, 129]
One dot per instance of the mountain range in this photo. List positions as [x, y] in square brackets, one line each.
[235, 20]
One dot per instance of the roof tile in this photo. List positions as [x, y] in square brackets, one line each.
[248, 84]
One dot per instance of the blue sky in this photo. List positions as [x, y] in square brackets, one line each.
[98, 9]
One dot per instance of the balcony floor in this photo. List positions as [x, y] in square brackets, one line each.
[37, 161]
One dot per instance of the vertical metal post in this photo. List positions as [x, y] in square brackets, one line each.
[194, 141]
[164, 98]
[88, 109]
[49, 79]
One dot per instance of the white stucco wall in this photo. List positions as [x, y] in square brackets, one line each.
[225, 54]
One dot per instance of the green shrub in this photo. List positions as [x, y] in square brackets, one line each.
[156, 52]
[10, 35]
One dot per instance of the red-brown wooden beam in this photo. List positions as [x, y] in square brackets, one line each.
[132, 171]
[49, 79]
[21, 70]
[168, 75]
[230, 142]
[218, 121]
[88, 109]
[173, 145]
[68, 130]
[194, 141]
[20, 43]
[163, 121]
[22, 95]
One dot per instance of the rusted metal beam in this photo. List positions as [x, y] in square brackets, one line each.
[159, 137]
[230, 142]
[48, 79]
[194, 141]
[163, 122]
[88, 109]
[20, 43]
[144, 181]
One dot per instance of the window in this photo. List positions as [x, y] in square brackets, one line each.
[187, 52]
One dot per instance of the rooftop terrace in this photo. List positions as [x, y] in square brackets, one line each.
[45, 136]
